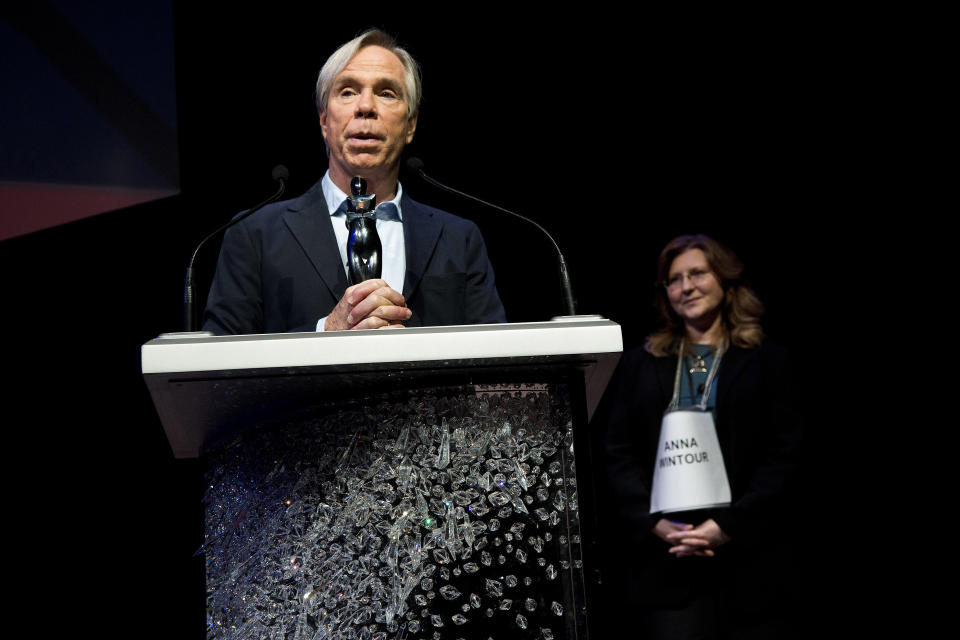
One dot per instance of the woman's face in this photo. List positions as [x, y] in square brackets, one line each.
[694, 291]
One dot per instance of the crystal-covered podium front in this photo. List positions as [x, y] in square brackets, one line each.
[428, 510]
[441, 514]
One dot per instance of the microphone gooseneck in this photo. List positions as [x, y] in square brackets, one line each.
[415, 165]
[280, 174]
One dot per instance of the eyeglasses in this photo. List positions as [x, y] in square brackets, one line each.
[695, 276]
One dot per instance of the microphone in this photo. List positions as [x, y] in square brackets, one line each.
[415, 165]
[280, 174]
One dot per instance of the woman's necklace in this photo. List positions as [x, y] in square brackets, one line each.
[699, 365]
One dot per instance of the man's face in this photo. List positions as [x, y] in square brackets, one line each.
[365, 124]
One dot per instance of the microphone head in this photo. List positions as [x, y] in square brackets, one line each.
[280, 172]
[415, 164]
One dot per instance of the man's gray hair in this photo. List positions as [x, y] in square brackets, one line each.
[342, 57]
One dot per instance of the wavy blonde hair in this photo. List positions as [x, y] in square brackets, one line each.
[741, 309]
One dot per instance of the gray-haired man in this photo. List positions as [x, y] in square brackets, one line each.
[283, 268]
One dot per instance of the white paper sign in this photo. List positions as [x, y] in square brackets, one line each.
[689, 472]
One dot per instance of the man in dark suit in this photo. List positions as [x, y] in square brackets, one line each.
[282, 269]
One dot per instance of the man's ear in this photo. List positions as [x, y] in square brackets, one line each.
[412, 126]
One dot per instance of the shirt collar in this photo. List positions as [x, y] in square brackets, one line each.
[335, 197]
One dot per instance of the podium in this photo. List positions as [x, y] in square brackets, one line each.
[418, 483]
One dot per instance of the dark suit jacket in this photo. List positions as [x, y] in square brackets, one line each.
[280, 270]
[759, 432]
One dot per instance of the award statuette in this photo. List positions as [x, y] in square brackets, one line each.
[364, 251]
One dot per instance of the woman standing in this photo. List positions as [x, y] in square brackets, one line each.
[721, 571]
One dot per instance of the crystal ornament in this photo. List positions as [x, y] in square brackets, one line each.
[403, 515]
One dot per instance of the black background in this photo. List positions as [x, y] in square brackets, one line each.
[615, 134]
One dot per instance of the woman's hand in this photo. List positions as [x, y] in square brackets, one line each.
[665, 527]
[698, 541]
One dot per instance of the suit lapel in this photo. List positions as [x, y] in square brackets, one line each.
[666, 374]
[308, 219]
[734, 360]
[421, 231]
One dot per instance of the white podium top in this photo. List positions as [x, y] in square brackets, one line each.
[200, 382]
[183, 352]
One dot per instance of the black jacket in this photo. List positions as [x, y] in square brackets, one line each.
[280, 270]
[760, 436]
